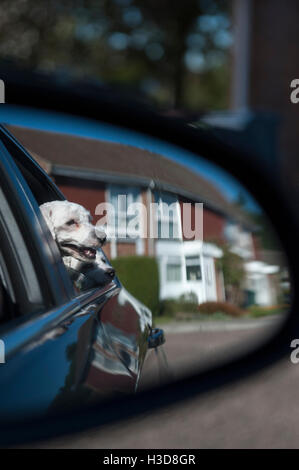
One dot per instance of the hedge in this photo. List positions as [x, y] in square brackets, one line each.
[209, 308]
[184, 304]
[140, 276]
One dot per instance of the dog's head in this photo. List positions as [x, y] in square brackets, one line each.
[71, 227]
[103, 265]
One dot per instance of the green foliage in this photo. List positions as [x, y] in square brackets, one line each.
[232, 266]
[266, 234]
[257, 311]
[208, 90]
[140, 276]
[171, 51]
[217, 316]
[186, 303]
[210, 308]
[168, 308]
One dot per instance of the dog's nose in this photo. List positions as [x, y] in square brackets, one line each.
[111, 272]
[102, 239]
[101, 235]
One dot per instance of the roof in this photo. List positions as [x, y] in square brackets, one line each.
[81, 157]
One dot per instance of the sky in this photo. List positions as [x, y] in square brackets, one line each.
[59, 122]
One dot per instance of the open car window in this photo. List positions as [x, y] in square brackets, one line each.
[20, 289]
[38, 181]
[8, 306]
[44, 190]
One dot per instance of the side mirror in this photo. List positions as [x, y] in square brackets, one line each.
[198, 236]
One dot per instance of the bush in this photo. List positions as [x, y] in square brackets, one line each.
[168, 308]
[186, 303]
[209, 308]
[258, 311]
[189, 297]
[232, 267]
[140, 276]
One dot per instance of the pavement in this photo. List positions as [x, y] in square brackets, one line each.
[259, 412]
[222, 325]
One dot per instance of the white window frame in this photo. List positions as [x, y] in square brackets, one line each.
[126, 190]
[194, 262]
[170, 262]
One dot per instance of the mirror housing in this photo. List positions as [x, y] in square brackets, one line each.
[34, 92]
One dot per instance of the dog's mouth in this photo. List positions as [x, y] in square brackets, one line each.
[80, 252]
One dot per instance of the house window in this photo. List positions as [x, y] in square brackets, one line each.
[193, 268]
[167, 216]
[121, 197]
[174, 269]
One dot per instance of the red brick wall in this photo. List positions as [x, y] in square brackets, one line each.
[256, 246]
[87, 193]
[126, 249]
[107, 249]
[213, 224]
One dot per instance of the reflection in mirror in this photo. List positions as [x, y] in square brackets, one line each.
[186, 240]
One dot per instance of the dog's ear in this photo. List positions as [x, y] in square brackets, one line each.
[46, 210]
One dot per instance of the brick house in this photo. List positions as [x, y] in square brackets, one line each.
[91, 171]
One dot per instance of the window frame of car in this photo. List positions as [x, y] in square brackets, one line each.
[59, 286]
[26, 163]
[24, 220]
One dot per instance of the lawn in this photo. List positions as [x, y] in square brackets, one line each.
[251, 312]
[255, 311]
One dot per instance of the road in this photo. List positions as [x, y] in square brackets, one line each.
[260, 412]
[197, 345]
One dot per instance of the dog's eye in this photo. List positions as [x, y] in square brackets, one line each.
[71, 222]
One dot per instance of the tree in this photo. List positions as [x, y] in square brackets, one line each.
[232, 267]
[158, 47]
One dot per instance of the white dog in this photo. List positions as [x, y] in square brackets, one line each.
[79, 242]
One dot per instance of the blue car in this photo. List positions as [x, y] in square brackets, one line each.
[61, 347]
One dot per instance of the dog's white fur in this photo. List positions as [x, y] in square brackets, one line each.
[79, 241]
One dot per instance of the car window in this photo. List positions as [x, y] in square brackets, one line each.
[8, 307]
[20, 290]
[38, 182]
[43, 190]
[38, 274]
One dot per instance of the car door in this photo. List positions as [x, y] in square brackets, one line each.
[62, 348]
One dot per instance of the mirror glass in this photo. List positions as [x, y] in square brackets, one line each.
[194, 252]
